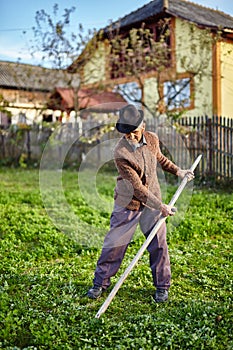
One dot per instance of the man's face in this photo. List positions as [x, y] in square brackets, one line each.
[136, 135]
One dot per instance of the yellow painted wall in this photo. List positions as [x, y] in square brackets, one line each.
[227, 79]
[151, 93]
[94, 70]
[194, 53]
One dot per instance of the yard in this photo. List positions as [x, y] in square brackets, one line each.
[45, 275]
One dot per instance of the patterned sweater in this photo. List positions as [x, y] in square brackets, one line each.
[137, 183]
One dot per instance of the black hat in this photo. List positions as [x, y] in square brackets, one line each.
[129, 119]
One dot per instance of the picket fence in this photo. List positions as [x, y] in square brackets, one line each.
[210, 136]
[187, 137]
[213, 137]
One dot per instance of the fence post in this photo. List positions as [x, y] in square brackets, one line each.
[210, 145]
[28, 145]
[3, 145]
[231, 149]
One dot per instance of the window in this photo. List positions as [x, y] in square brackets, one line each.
[22, 118]
[4, 119]
[47, 118]
[131, 92]
[177, 94]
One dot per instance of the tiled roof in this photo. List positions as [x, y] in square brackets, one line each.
[199, 14]
[187, 10]
[63, 98]
[29, 77]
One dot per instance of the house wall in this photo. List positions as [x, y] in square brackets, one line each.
[94, 70]
[194, 53]
[190, 56]
[151, 93]
[25, 103]
[226, 79]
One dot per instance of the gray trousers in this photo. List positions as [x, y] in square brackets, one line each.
[123, 224]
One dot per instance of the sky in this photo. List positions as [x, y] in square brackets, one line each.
[18, 18]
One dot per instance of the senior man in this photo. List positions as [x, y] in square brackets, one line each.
[137, 200]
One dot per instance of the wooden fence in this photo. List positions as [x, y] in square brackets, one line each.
[218, 147]
[211, 137]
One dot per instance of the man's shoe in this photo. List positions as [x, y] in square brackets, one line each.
[161, 295]
[95, 292]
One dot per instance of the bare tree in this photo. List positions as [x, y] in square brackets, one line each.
[60, 47]
[53, 39]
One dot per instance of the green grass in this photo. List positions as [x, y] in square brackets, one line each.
[45, 275]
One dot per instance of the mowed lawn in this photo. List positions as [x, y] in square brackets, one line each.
[45, 273]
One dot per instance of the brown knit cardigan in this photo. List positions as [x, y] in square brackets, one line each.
[137, 183]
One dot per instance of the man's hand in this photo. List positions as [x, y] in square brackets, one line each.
[168, 210]
[186, 172]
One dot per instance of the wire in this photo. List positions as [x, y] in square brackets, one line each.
[14, 29]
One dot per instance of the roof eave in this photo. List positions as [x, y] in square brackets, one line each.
[134, 24]
[23, 88]
[202, 25]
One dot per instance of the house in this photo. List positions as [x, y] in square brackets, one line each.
[26, 90]
[197, 78]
